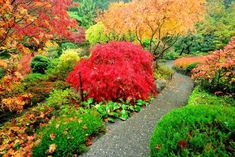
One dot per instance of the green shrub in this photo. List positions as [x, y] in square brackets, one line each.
[34, 78]
[201, 97]
[200, 130]
[171, 55]
[63, 97]
[95, 34]
[163, 72]
[60, 68]
[67, 135]
[40, 87]
[1, 72]
[190, 67]
[40, 64]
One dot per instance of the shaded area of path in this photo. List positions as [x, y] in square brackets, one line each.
[131, 138]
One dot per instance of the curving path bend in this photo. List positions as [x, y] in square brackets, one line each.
[131, 138]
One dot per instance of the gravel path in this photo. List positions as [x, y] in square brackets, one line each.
[131, 138]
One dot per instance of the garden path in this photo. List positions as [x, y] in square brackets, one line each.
[131, 138]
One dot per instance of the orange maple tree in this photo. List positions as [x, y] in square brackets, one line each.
[30, 23]
[159, 21]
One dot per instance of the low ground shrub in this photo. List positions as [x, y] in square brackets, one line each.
[217, 73]
[40, 64]
[68, 134]
[200, 130]
[183, 63]
[16, 103]
[63, 97]
[115, 70]
[18, 136]
[201, 97]
[34, 78]
[121, 109]
[163, 72]
[41, 90]
[40, 86]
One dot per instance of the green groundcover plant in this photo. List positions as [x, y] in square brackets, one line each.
[200, 130]
[68, 134]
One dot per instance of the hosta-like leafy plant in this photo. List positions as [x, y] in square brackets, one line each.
[115, 70]
[217, 73]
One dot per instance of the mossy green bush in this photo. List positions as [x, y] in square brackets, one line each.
[63, 97]
[40, 64]
[200, 96]
[200, 130]
[162, 72]
[34, 78]
[67, 135]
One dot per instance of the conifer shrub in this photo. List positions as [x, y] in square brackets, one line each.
[40, 64]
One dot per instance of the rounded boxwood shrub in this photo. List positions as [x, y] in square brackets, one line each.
[115, 70]
[195, 131]
[67, 135]
[40, 64]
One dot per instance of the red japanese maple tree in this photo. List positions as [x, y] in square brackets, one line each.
[115, 70]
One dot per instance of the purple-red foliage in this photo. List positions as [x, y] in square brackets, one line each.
[116, 70]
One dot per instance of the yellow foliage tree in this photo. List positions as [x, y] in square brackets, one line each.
[159, 21]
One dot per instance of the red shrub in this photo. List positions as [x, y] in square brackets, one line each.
[116, 70]
[78, 37]
[218, 72]
[24, 64]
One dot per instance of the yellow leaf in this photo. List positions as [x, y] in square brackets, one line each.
[52, 148]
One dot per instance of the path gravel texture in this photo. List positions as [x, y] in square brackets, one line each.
[131, 138]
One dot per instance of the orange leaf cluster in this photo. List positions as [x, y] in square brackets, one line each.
[157, 18]
[18, 136]
[183, 63]
[3, 63]
[16, 103]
